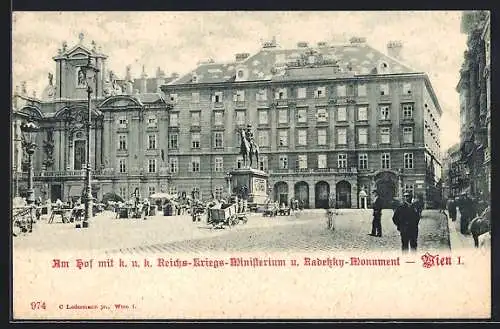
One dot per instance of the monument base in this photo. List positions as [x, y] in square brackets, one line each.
[251, 184]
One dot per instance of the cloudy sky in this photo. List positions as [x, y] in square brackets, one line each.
[176, 41]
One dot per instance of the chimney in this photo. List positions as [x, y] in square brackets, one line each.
[394, 49]
[159, 73]
[160, 79]
[16, 92]
[241, 56]
[175, 75]
[128, 75]
[143, 80]
[23, 88]
[322, 44]
[302, 44]
[129, 87]
[270, 44]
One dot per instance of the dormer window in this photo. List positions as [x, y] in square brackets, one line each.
[173, 98]
[240, 74]
[311, 59]
[194, 79]
[383, 67]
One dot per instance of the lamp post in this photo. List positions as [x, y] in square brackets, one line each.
[90, 73]
[228, 180]
[29, 130]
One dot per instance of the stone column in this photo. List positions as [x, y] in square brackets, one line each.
[312, 194]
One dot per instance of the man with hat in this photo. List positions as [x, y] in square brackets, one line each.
[377, 215]
[406, 220]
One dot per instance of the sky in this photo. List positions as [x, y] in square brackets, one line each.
[176, 41]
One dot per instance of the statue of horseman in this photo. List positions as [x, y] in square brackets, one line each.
[248, 148]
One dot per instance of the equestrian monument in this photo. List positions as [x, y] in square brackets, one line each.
[248, 182]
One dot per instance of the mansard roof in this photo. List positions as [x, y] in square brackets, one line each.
[270, 63]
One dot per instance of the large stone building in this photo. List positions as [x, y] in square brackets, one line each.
[128, 134]
[474, 90]
[330, 120]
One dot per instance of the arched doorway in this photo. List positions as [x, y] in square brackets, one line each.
[302, 193]
[386, 185]
[281, 192]
[321, 193]
[343, 193]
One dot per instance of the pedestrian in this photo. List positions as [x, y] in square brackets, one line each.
[465, 206]
[452, 209]
[377, 215]
[406, 220]
[418, 204]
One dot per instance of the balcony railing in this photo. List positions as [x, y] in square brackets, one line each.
[314, 171]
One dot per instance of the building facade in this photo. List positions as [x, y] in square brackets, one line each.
[128, 132]
[330, 121]
[474, 90]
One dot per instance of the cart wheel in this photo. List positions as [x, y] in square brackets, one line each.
[244, 219]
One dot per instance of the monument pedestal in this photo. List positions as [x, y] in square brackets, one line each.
[252, 183]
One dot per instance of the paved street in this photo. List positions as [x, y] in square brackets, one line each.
[304, 231]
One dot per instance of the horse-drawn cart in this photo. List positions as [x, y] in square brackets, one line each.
[226, 216]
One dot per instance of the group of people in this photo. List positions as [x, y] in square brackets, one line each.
[406, 217]
[469, 208]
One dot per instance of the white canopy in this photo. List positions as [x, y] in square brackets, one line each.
[162, 195]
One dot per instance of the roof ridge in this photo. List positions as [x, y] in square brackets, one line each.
[398, 61]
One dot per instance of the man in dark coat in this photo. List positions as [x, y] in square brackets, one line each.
[377, 215]
[452, 209]
[406, 220]
[467, 212]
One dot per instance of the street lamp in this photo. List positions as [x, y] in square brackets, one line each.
[228, 180]
[90, 74]
[29, 130]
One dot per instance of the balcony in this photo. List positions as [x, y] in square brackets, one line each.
[218, 105]
[352, 170]
[281, 102]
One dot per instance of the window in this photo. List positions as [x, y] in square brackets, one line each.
[407, 89]
[195, 119]
[239, 161]
[361, 90]
[261, 95]
[240, 117]
[407, 111]
[195, 140]
[384, 89]
[408, 160]
[263, 138]
[283, 138]
[172, 189]
[123, 192]
[173, 141]
[301, 92]
[152, 121]
[219, 118]
[322, 115]
[386, 161]
[342, 161]
[363, 113]
[122, 142]
[219, 139]
[263, 163]
[363, 161]
[122, 122]
[408, 135]
[174, 119]
[173, 98]
[152, 165]
[173, 164]
[363, 136]
[322, 161]
[239, 96]
[341, 90]
[409, 188]
[151, 142]
[385, 113]
[217, 97]
[283, 161]
[342, 136]
[123, 165]
[151, 190]
[195, 164]
[195, 97]
[283, 116]
[302, 161]
[219, 164]
[302, 137]
[320, 92]
[341, 114]
[263, 119]
[301, 115]
[280, 94]
[218, 192]
[321, 136]
[385, 135]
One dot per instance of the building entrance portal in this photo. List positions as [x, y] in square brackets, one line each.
[281, 192]
[302, 193]
[343, 194]
[322, 192]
